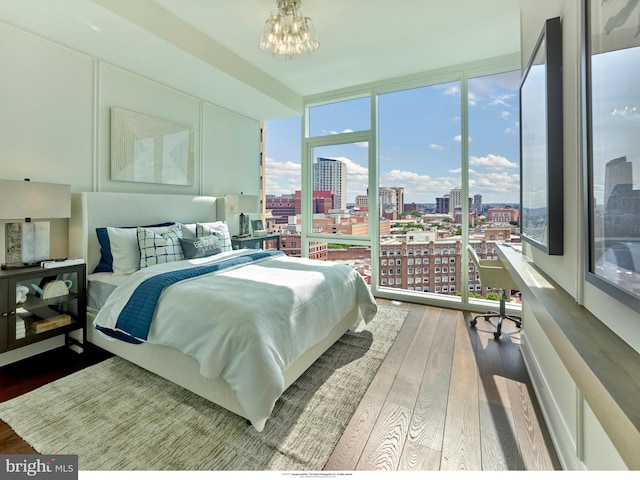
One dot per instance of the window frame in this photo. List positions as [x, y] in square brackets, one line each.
[462, 73]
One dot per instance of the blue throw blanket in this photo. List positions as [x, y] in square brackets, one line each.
[135, 318]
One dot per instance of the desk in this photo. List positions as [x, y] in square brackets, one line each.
[256, 242]
[607, 382]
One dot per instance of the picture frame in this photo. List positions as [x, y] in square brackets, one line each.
[147, 149]
[541, 143]
[256, 225]
[612, 148]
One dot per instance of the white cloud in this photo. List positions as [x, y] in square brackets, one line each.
[419, 187]
[502, 100]
[458, 138]
[335, 132]
[452, 90]
[281, 178]
[492, 162]
[435, 146]
[625, 112]
[496, 183]
[278, 168]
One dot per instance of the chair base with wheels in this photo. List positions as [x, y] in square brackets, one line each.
[493, 274]
[501, 315]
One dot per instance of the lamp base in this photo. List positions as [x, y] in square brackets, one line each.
[26, 242]
[244, 225]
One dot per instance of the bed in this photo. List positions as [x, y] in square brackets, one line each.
[236, 327]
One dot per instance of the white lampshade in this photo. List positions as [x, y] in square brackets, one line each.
[25, 199]
[242, 203]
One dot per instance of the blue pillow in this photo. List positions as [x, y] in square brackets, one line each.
[106, 259]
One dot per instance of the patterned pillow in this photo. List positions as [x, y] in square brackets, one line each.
[200, 247]
[159, 247]
[128, 260]
[219, 229]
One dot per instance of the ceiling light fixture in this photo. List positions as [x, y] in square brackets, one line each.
[288, 33]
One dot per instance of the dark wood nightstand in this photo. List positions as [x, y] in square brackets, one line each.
[37, 317]
[256, 242]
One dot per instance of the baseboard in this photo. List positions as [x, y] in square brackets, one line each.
[558, 429]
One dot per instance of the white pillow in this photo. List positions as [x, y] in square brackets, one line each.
[125, 249]
[158, 248]
[219, 229]
[188, 230]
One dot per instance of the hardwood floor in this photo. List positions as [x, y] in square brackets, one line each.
[447, 397]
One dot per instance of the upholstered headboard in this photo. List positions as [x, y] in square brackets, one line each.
[90, 210]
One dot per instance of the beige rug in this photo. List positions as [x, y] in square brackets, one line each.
[116, 416]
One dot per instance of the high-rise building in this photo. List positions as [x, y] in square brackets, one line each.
[331, 174]
[455, 199]
[477, 204]
[389, 202]
[399, 199]
[442, 205]
[617, 172]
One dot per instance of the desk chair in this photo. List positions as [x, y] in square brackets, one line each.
[493, 274]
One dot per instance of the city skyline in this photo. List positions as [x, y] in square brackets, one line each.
[419, 142]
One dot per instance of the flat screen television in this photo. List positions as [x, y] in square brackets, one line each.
[541, 149]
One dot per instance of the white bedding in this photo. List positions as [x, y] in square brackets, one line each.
[99, 287]
[247, 324]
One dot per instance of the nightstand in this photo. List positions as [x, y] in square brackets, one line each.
[53, 302]
[256, 242]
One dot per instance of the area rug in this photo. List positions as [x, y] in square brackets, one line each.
[117, 416]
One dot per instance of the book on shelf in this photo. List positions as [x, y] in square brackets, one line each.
[61, 263]
[21, 329]
[51, 323]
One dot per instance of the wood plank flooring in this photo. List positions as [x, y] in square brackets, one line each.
[447, 397]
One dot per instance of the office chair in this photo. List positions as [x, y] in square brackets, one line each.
[493, 274]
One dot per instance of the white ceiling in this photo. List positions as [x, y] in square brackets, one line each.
[209, 47]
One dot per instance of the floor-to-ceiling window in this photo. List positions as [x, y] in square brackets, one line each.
[396, 180]
[419, 162]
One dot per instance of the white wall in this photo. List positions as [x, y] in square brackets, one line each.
[579, 438]
[54, 119]
[54, 125]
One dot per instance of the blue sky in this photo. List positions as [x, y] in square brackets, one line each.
[419, 135]
[616, 113]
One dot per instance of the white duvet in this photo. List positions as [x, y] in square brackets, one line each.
[247, 324]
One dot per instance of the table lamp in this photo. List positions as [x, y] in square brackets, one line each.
[27, 243]
[243, 205]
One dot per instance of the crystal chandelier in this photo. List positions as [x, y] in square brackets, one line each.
[288, 33]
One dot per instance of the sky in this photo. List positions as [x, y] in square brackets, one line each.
[419, 142]
[616, 114]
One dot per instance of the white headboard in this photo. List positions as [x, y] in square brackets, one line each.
[90, 210]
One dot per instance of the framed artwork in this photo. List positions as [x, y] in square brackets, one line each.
[612, 180]
[541, 149]
[256, 225]
[150, 150]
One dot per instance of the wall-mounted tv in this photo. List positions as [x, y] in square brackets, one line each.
[541, 149]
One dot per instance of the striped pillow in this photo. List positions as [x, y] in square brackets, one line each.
[159, 247]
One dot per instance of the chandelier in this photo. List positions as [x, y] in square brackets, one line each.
[288, 33]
